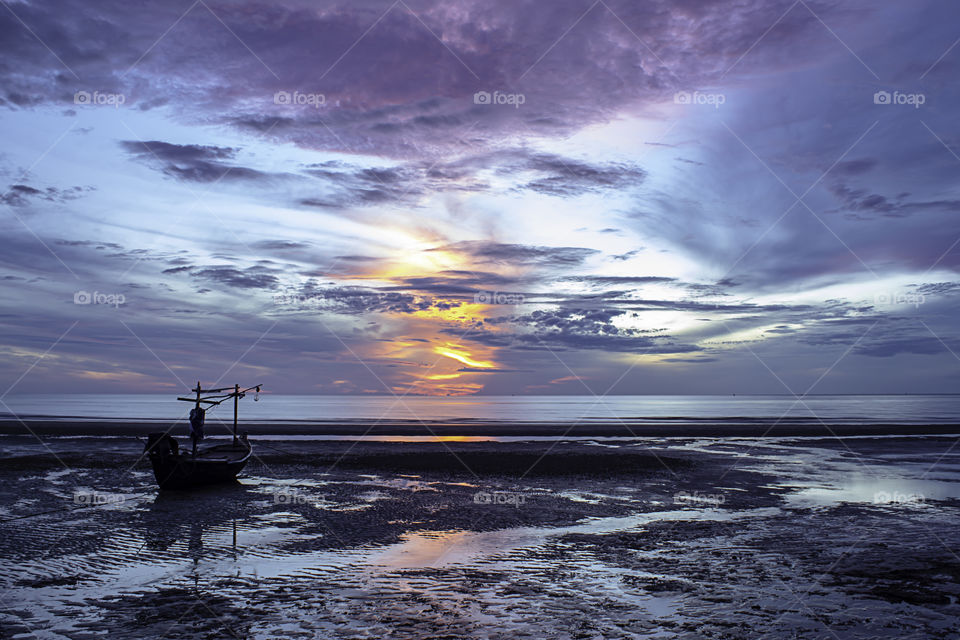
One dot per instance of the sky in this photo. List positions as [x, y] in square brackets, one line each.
[453, 198]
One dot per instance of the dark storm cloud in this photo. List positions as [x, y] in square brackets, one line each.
[21, 195]
[438, 286]
[18, 194]
[280, 245]
[694, 305]
[67, 260]
[625, 256]
[886, 335]
[855, 167]
[99, 246]
[885, 348]
[179, 153]
[575, 329]
[519, 254]
[939, 288]
[560, 341]
[782, 329]
[355, 300]
[254, 277]
[864, 205]
[348, 186]
[406, 104]
[548, 174]
[455, 283]
[566, 178]
[599, 325]
[618, 280]
[357, 258]
[543, 173]
[191, 162]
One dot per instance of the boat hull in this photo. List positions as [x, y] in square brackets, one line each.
[215, 465]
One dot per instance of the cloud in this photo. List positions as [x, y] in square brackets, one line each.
[567, 178]
[864, 205]
[453, 282]
[400, 136]
[192, 162]
[618, 280]
[563, 341]
[854, 167]
[349, 185]
[420, 65]
[577, 328]
[626, 256]
[254, 277]
[486, 252]
[279, 245]
[885, 348]
[355, 300]
[21, 195]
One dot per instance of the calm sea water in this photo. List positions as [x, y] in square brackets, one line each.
[912, 409]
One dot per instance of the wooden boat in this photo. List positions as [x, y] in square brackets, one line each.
[177, 469]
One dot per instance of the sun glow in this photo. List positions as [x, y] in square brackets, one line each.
[419, 257]
[451, 352]
[442, 376]
[450, 311]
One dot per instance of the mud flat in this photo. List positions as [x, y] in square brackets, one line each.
[670, 538]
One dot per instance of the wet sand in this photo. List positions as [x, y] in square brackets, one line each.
[671, 538]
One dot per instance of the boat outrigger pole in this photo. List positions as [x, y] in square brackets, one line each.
[214, 397]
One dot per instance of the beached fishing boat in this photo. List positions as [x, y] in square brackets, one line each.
[175, 468]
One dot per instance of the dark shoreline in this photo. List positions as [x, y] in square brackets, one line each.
[705, 430]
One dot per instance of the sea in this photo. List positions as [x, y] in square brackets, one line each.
[672, 409]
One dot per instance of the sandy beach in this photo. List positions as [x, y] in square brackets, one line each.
[650, 537]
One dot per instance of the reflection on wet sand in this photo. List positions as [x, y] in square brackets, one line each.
[307, 550]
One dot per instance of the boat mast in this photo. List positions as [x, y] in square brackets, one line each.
[221, 394]
[198, 414]
[236, 400]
